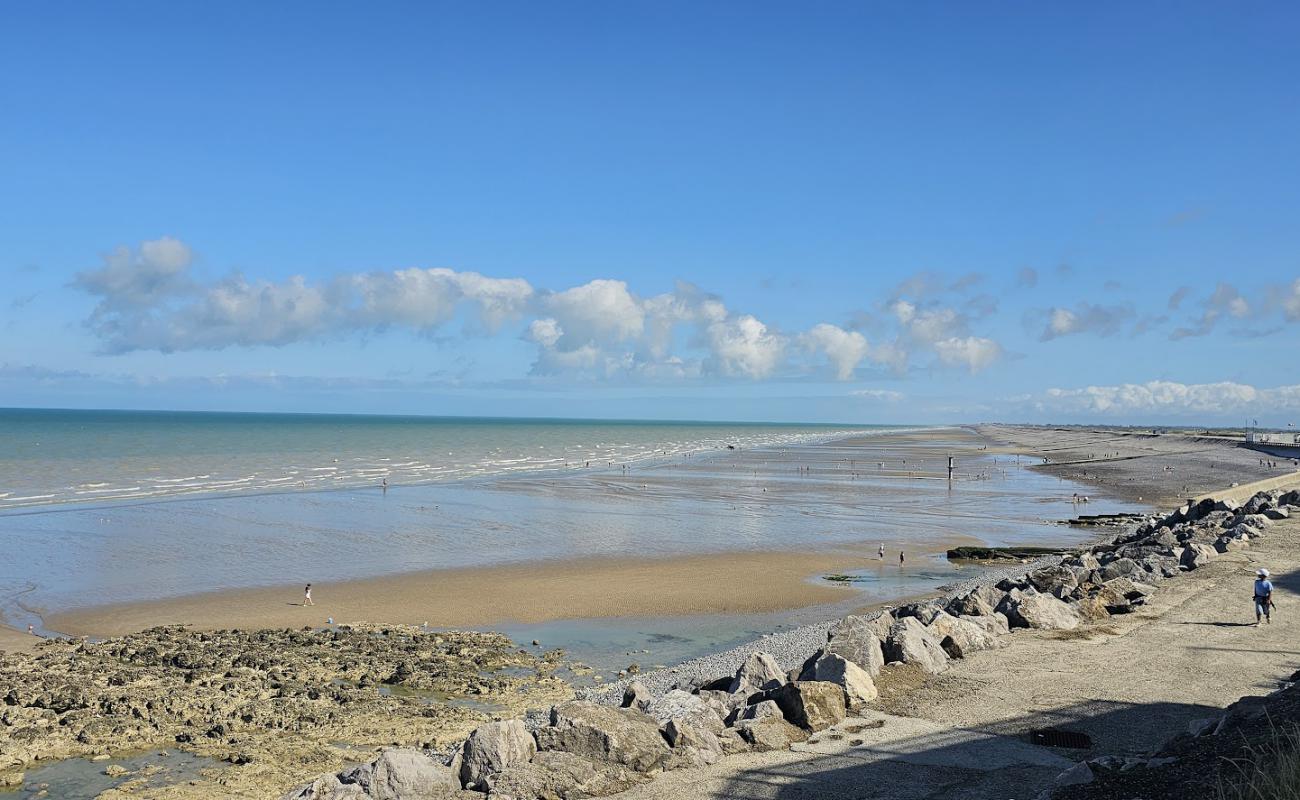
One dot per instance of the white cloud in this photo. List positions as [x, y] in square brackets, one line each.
[885, 395]
[137, 278]
[844, 349]
[744, 346]
[1154, 397]
[972, 352]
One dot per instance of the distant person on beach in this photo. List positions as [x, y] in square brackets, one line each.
[882, 551]
[901, 558]
[1263, 597]
[31, 629]
[306, 596]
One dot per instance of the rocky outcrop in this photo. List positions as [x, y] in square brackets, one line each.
[397, 774]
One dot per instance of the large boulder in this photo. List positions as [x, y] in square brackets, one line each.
[859, 688]
[1042, 611]
[637, 696]
[1120, 568]
[492, 748]
[1196, 555]
[959, 637]
[1057, 580]
[763, 708]
[812, 705]
[910, 642]
[397, 774]
[924, 610]
[601, 733]
[680, 705]
[978, 602]
[561, 776]
[1277, 514]
[759, 672]
[693, 741]
[994, 624]
[769, 733]
[857, 638]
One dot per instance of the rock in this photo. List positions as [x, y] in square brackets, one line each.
[759, 710]
[115, 770]
[559, 776]
[697, 744]
[994, 624]
[399, 773]
[492, 748]
[769, 733]
[924, 611]
[8, 780]
[858, 639]
[1196, 555]
[732, 742]
[1257, 521]
[958, 637]
[759, 672]
[859, 689]
[1058, 580]
[811, 705]
[980, 601]
[327, 787]
[1230, 506]
[721, 702]
[1119, 568]
[910, 642]
[601, 733]
[1043, 612]
[1228, 544]
[1130, 589]
[683, 706]
[1277, 514]
[1079, 774]
[637, 696]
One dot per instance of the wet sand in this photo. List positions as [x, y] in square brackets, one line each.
[15, 641]
[720, 583]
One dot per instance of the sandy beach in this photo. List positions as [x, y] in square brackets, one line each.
[475, 598]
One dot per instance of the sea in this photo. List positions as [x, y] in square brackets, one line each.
[103, 507]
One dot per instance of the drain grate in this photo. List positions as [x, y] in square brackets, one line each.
[1055, 737]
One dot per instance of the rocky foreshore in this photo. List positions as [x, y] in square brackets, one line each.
[587, 748]
[270, 705]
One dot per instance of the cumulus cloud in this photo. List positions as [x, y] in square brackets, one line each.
[1086, 318]
[844, 349]
[744, 346]
[1155, 397]
[1180, 294]
[150, 299]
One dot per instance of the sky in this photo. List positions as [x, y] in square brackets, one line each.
[858, 212]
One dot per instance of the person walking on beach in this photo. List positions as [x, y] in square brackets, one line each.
[306, 596]
[1263, 597]
[901, 558]
[882, 551]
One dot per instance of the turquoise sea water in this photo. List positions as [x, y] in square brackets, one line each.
[50, 457]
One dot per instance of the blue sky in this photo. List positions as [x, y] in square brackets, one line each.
[858, 212]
